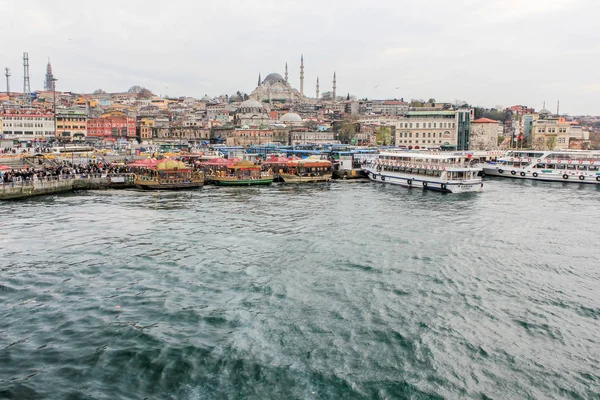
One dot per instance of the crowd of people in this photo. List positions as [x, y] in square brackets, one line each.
[65, 170]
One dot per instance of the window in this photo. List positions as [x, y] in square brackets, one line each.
[582, 167]
[429, 125]
[417, 124]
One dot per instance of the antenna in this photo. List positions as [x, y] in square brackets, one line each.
[7, 74]
[26, 85]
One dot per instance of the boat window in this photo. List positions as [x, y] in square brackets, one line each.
[582, 167]
[571, 167]
[593, 168]
[560, 166]
[540, 165]
[551, 166]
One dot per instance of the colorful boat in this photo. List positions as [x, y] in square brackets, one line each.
[308, 170]
[168, 175]
[242, 173]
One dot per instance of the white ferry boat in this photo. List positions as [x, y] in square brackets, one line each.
[557, 166]
[452, 172]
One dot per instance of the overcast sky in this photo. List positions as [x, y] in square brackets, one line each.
[486, 52]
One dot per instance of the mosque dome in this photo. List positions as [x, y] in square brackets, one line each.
[545, 111]
[250, 106]
[206, 98]
[273, 78]
[291, 117]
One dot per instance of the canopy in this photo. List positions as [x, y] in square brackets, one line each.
[171, 164]
[5, 168]
[276, 160]
[147, 162]
[244, 164]
[220, 161]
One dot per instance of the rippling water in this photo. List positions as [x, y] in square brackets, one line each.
[337, 291]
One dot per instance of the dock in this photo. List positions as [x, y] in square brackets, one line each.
[25, 189]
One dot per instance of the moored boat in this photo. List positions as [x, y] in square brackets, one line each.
[242, 173]
[309, 170]
[168, 175]
[579, 166]
[451, 172]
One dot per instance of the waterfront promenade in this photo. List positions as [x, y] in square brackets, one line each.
[51, 185]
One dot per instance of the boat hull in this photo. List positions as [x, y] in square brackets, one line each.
[288, 178]
[349, 174]
[587, 177]
[171, 186]
[423, 182]
[241, 182]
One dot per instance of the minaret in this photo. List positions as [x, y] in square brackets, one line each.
[302, 74]
[334, 85]
[558, 108]
[48, 83]
[317, 88]
[259, 80]
[286, 74]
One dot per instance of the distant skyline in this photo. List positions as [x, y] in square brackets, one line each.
[485, 52]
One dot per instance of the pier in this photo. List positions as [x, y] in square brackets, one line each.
[24, 189]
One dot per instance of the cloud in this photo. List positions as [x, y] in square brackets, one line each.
[484, 51]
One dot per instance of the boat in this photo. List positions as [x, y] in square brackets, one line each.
[168, 175]
[450, 172]
[347, 164]
[241, 173]
[308, 170]
[580, 166]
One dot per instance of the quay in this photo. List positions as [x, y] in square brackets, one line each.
[24, 189]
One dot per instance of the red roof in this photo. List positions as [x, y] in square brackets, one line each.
[485, 121]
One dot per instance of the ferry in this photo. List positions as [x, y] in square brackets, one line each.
[168, 175]
[450, 172]
[579, 166]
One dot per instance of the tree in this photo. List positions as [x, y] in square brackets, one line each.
[311, 125]
[551, 142]
[348, 130]
[135, 89]
[144, 94]
[431, 100]
[99, 91]
[384, 135]
[327, 96]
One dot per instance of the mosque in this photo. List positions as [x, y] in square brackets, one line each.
[277, 89]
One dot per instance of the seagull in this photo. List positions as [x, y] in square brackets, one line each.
[398, 87]
[376, 86]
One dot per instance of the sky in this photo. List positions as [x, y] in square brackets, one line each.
[484, 52]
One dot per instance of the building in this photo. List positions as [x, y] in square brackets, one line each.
[27, 125]
[71, 125]
[312, 137]
[484, 134]
[446, 129]
[49, 81]
[112, 125]
[248, 137]
[251, 113]
[550, 132]
[389, 107]
[275, 89]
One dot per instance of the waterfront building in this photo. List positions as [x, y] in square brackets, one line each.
[446, 129]
[484, 134]
[112, 125]
[27, 125]
[550, 133]
[71, 125]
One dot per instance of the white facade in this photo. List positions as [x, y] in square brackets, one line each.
[312, 138]
[427, 129]
[27, 126]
